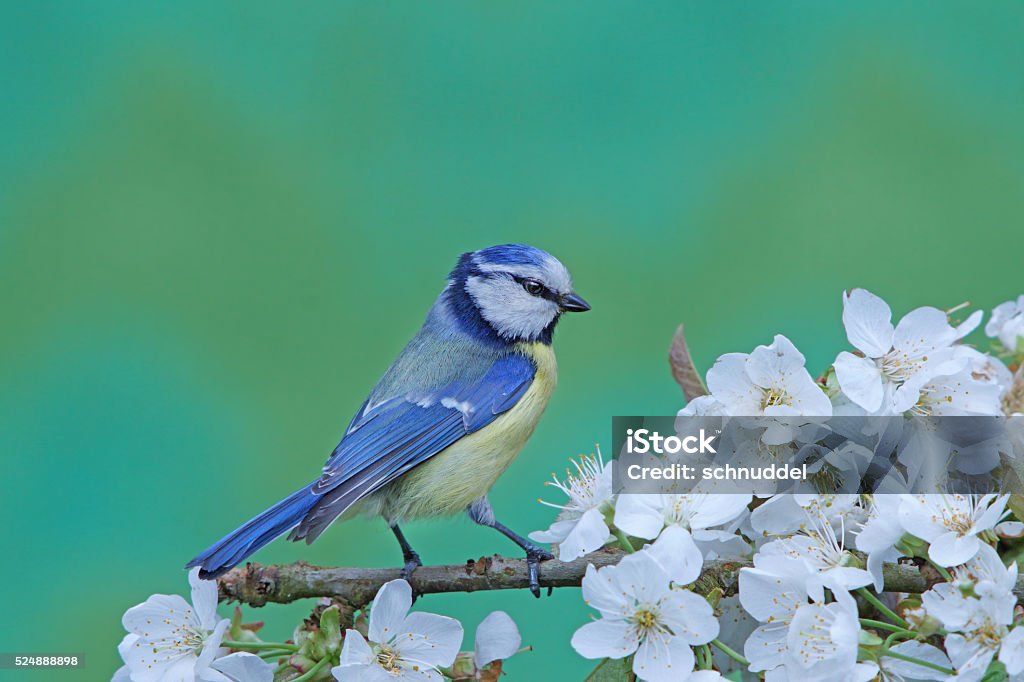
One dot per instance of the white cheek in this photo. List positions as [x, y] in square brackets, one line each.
[512, 312]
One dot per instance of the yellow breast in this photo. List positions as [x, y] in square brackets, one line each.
[449, 481]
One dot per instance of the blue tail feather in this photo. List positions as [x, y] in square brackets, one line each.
[243, 542]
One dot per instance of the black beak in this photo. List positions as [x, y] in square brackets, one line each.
[572, 303]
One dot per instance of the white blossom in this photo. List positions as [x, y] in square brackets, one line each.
[644, 516]
[400, 646]
[1007, 323]
[678, 554]
[822, 641]
[986, 636]
[988, 369]
[819, 556]
[897, 361]
[581, 527]
[977, 608]
[992, 584]
[950, 523]
[962, 387]
[772, 381]
[772, 598]
[879, 535]
[170, 639]
[642, 615]
[790, 513]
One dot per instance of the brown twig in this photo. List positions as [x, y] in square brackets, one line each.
[256, 585]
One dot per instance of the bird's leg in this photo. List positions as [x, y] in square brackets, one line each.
[482, 513]
[409, 555]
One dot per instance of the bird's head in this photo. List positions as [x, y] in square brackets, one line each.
[518, 291]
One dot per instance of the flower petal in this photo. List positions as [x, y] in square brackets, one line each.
[947, 603]
[920, 517]
[640, 577]
[689, 617]
[204, 599]
[868, 322]
[950, 549]
[1010, 529]
[767, 597]
[126, 644]
[356, 650]
[640, 515]
[662, 658]
[393, 601]
[705, 676]
[162, 615]
[920, 651]
[429, 638]
[765, 648]
[211, 646]
[244, 667]
[677, 553]
[605, 638]
[768, 365]
[1011, 652]
[730, 384]
[860, 379]
[970, 324]
[921, 331]
[708, 510]
[600, 592]
[555, 533]
[589, 534]
[149, 663]
[806, 395]
[968, 656]
[367, 672]
[497, 638]
[846, 578]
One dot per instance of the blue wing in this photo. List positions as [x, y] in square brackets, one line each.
[389, 437]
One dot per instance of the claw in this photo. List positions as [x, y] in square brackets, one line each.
[535, 555]
[412, 562]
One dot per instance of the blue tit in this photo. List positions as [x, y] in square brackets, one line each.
[446, 419]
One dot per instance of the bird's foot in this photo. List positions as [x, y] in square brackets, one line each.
[535, 555]
[412, 562]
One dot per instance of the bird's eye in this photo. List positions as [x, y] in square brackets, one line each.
[533, 287]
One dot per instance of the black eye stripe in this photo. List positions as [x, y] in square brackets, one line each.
[544, 293]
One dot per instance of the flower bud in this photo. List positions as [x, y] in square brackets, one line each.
[463, 668]
[913, 546]
[714, 597]
[330, 630]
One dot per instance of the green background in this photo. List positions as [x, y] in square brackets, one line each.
[219, 224]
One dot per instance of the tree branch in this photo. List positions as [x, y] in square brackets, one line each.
[256, 585]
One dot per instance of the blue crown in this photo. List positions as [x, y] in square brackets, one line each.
[512, 254]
